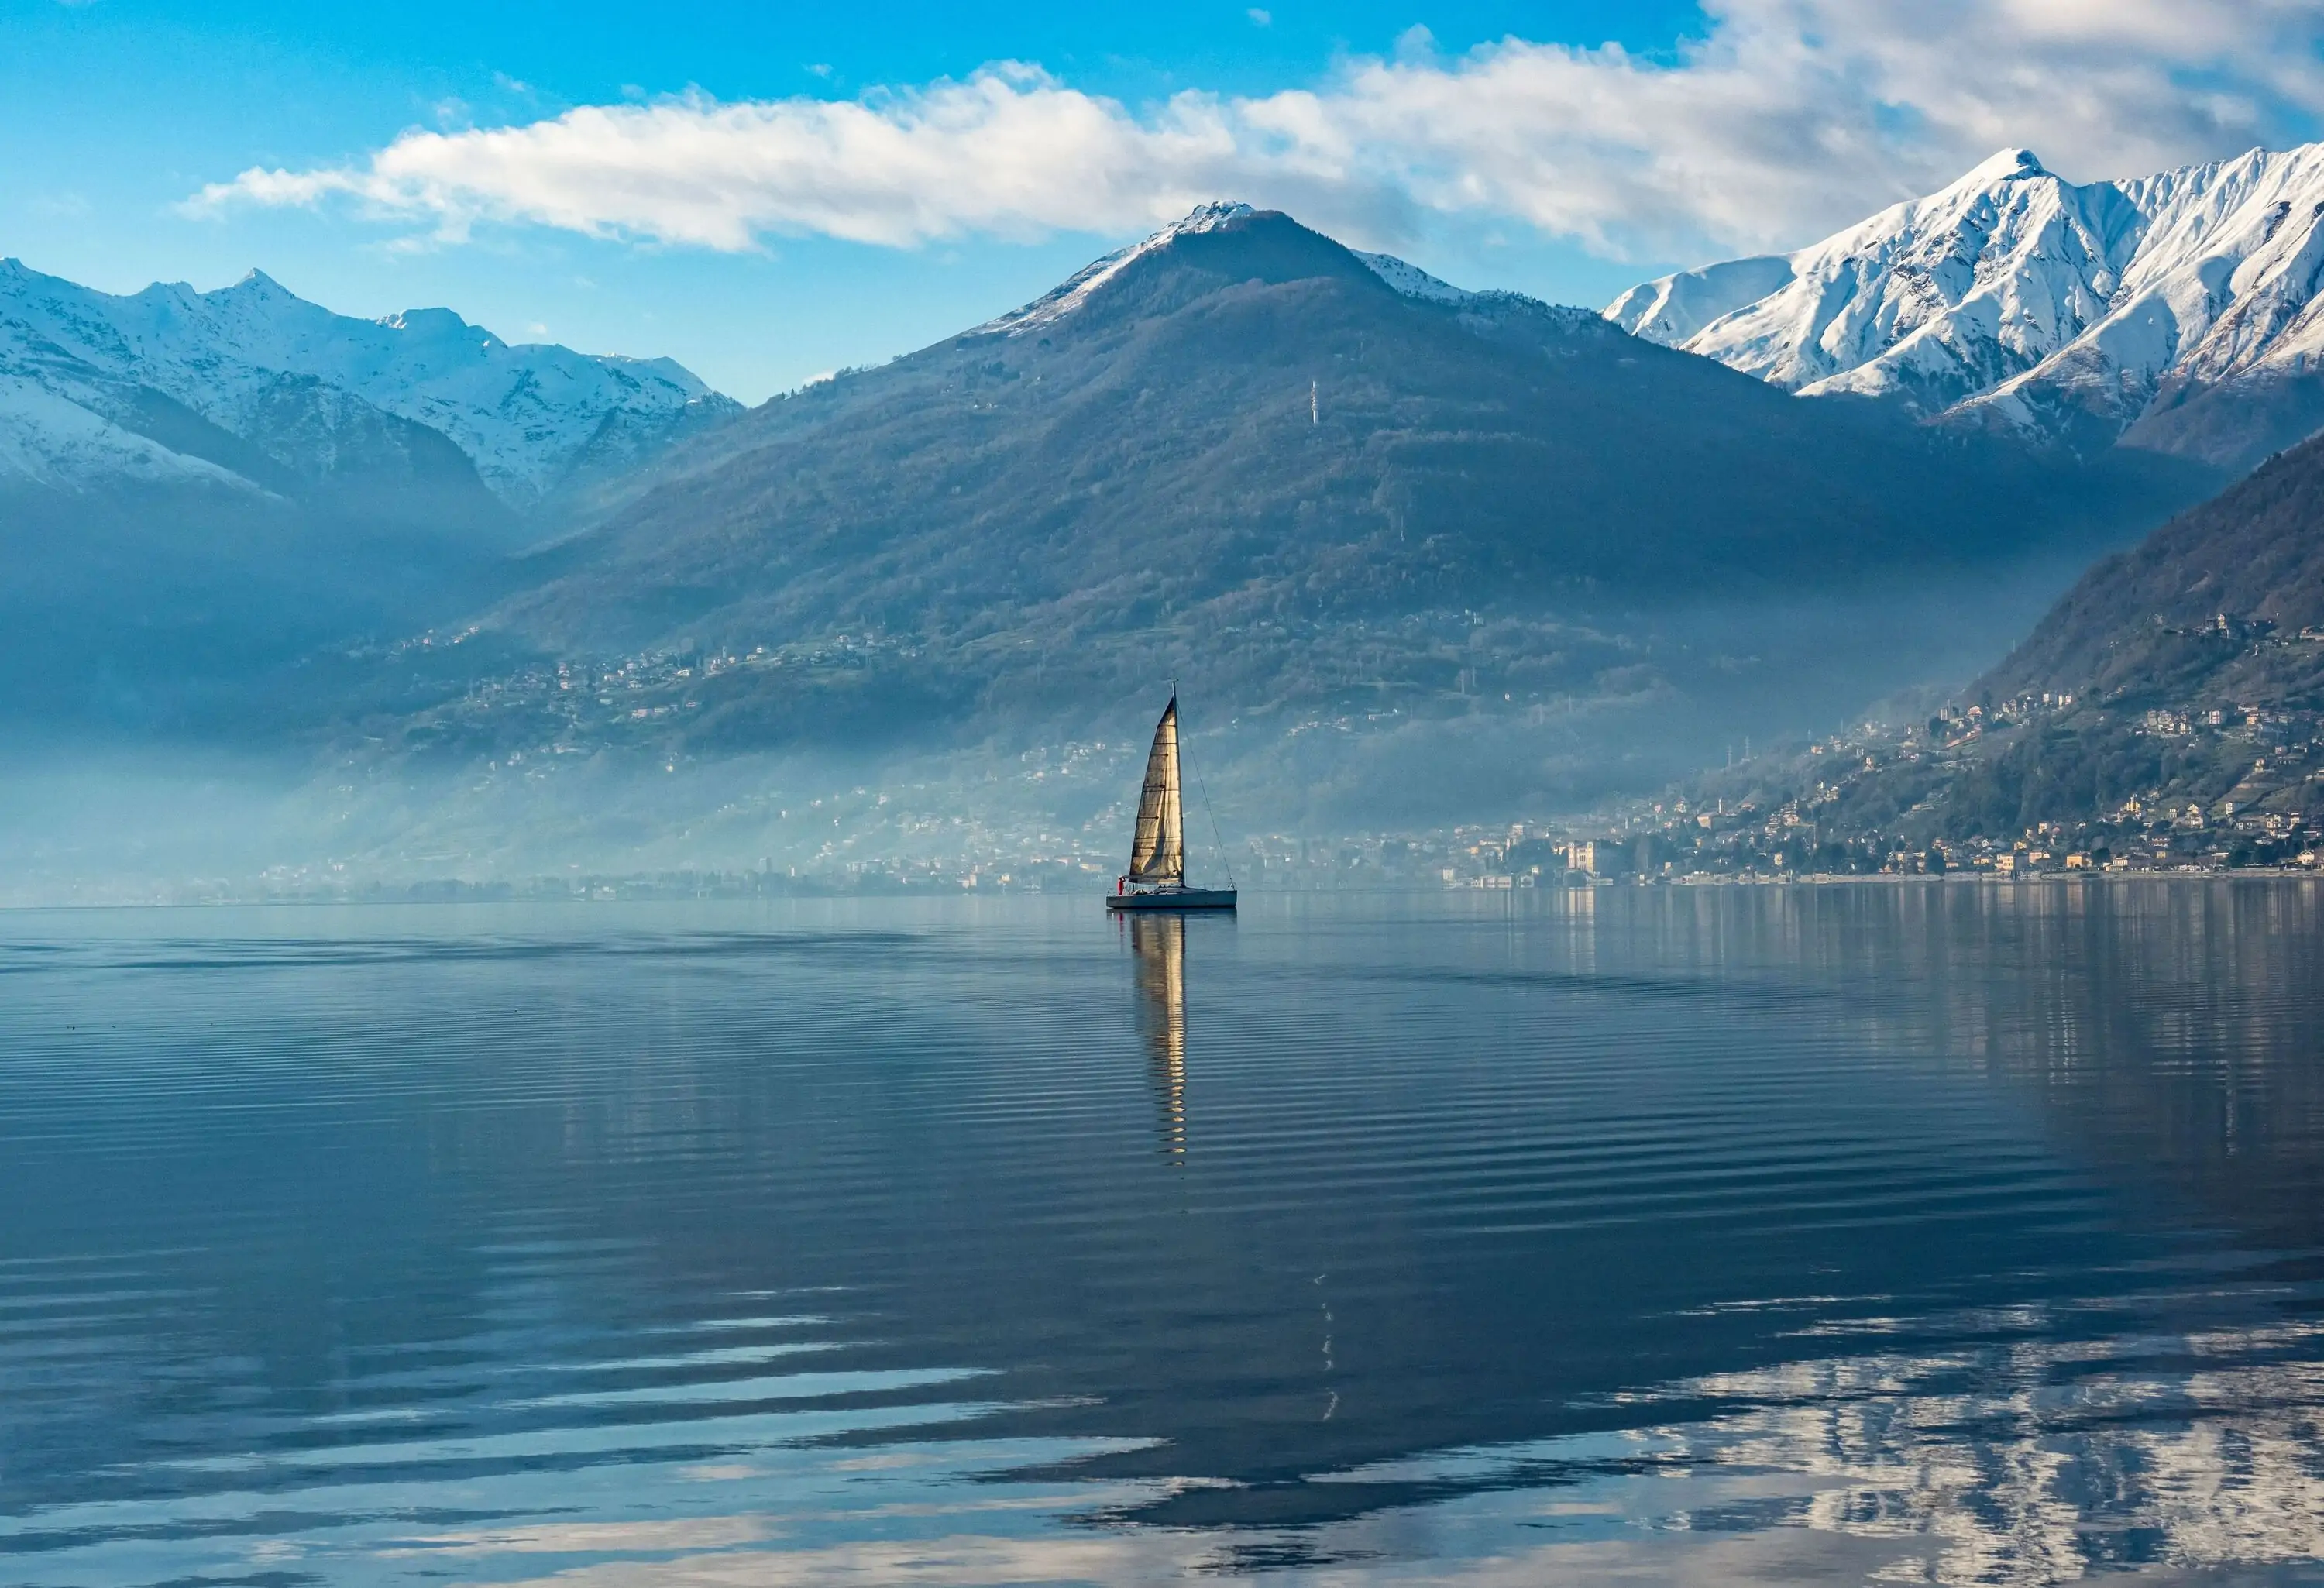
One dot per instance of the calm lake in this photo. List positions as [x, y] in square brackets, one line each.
[1934, 1232]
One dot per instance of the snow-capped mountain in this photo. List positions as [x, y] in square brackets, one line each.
[1077, 288]
[1407, 280]
[252, 385]
[2177, 312]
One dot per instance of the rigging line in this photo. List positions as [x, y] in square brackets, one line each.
[1207, 811]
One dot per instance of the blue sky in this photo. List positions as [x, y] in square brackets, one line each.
[1561, 149]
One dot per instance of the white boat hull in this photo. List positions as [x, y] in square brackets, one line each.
[1174, 899]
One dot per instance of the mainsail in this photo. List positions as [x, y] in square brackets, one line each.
[1158, 851]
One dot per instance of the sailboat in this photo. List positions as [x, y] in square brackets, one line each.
[1156, 877]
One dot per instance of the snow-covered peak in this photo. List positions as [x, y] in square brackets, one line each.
[1076, 290]
[2017, 294]
[2002, 166]
[1805, 317]
[441, 327]
[1405, 278]
[1936, 298]
[527, 417]
[1203, 218]
[258, 283]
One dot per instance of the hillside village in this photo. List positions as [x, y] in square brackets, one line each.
[2212, 789]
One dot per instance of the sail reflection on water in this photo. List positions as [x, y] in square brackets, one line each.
[1158, 942]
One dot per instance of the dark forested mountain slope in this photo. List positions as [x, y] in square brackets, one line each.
[2212, 607]
[2185, 675]
[1249, 417]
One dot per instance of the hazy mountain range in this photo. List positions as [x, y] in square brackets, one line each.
[2177, 312]
[1415, 553]
[199, 489]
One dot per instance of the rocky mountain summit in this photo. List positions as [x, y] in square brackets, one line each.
[2177, 312]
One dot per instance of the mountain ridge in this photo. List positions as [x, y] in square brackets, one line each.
[535, 422]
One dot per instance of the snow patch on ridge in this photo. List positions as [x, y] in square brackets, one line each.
[1674, 308]
[1410, 281]
[47, 439]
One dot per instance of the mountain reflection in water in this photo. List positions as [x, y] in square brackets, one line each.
[1944, 1233]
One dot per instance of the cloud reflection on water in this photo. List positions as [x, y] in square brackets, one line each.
[1864, 1466]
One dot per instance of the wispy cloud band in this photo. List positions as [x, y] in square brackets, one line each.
[1784, 117]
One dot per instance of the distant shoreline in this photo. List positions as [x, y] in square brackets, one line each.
[1989, 878]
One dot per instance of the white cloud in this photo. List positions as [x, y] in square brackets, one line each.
[1009, 151]
[1786, 118]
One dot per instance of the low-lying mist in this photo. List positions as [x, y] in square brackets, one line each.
[882, 764]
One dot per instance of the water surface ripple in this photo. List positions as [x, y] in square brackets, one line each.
[1921, 1234]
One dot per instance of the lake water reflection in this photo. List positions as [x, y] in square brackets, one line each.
[1922, 1233]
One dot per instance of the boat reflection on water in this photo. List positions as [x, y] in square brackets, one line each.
[1158, 942]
